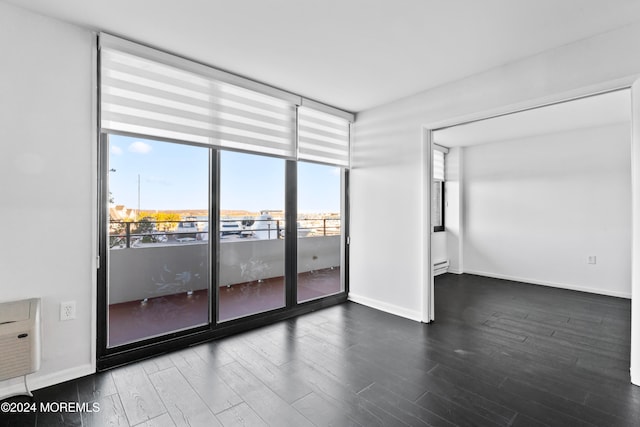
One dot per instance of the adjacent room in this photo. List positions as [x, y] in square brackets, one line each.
[528, 197]
[542, 196]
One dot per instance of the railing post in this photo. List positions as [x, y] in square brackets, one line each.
[277, 229]
[128, 224]
[324, 226]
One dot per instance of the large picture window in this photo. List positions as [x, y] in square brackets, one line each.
[222, 202]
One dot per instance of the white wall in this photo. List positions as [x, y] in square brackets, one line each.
[537, 208]
[439, 246]
[47, 174]
[387, 267]
[387, 215]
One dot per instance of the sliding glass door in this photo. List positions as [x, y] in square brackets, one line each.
[206, 229]
[251, 244]
[198, 241]
[158, 277]
[173, 266]
[320, 249]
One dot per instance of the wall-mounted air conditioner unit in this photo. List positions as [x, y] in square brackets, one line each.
[19, 339]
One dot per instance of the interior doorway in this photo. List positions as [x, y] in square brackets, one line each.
[588, 114]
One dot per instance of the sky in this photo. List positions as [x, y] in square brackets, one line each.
[176, 177]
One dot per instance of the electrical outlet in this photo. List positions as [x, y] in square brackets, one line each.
[67, 310]
[591, 259]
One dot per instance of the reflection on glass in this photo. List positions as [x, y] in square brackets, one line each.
[319, 231]
[158, 258]
[251, 272]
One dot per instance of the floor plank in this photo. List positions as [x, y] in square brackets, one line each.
[181, 400]
[139, 397]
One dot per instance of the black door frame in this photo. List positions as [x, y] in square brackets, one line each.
[107, 358]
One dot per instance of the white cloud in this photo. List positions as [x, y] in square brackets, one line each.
[139, 147]
[116, 150]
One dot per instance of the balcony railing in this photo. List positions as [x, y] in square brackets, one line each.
[128, 234]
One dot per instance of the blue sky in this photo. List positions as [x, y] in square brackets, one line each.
[175, 176]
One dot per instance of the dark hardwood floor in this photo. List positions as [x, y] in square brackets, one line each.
[499, 353]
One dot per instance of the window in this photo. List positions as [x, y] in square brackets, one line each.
[223, 202]
[320, 232]
[437, 188]
[251, 273]
[158, 279]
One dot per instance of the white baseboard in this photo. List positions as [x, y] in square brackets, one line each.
[16, 385]
[635, 377]
[455, 271]
[386, 307]
[551, 284]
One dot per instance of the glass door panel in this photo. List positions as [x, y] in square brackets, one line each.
[158, 246]
[319, 223]
[251, 238]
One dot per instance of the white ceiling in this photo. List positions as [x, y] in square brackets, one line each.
[593, 111]
[353, 54]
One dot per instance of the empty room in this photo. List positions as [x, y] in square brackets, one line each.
[320, 213]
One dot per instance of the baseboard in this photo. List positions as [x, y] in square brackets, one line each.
[635, 377]
[386, 307]
[16, 385]
[455, 271]
[550, 284]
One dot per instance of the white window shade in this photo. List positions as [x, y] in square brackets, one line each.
[438, 162]
[147, 97]
[322, 137]
[250, 121]
[438, 165]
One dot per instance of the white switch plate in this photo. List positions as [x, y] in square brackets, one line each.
[591, 259]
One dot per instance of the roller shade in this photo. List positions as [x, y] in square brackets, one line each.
[148, 92]
[438, 162]
[148, 97]
[322, 137]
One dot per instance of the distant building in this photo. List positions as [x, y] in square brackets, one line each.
[122, 213]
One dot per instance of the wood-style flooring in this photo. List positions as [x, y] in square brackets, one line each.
[499, 353]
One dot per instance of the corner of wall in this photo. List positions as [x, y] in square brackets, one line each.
[396, 310]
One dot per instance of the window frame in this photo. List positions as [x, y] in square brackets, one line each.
[440, 228]
[108, 357]
[441, 180]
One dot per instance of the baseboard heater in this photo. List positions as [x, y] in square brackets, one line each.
[19, 339]
[440, 267]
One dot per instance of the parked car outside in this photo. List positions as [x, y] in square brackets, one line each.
[186, 231]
